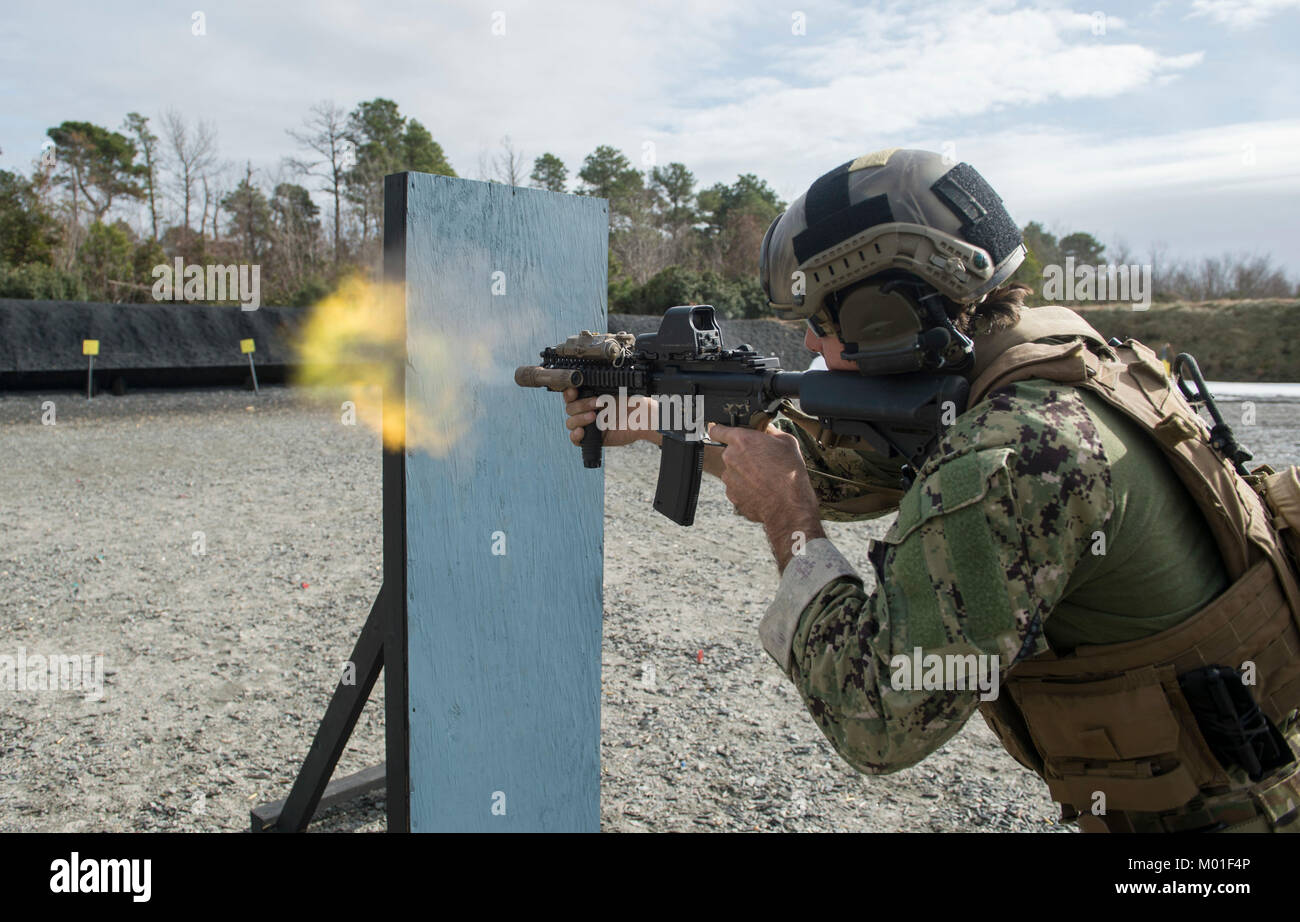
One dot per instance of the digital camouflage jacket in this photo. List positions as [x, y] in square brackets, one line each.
[1033, 515]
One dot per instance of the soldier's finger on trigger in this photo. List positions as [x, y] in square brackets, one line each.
[738, 436]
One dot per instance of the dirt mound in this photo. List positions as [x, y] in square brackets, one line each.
[1232, 340]
[43, 338]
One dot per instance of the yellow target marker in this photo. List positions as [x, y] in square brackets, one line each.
[247, 347]
[90, 349]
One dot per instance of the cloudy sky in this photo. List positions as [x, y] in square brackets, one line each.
[1173, 123]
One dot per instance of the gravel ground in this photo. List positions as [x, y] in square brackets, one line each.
[221, 551]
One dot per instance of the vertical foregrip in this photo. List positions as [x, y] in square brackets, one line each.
[592, 445]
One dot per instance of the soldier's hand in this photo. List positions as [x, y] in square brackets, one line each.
[765, 474]
[767, 482]
[582, 413]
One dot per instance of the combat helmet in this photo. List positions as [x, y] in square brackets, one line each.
[879, 248]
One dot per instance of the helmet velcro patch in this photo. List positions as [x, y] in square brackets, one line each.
[841, 225]
[984, 218]
[876, 158]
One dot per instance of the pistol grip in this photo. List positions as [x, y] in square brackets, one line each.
[681, 465]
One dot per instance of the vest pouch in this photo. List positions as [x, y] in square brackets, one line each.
[1279, 799]
[1005, 720]
[1131, 738]
[1278, 795]
[1282, 493]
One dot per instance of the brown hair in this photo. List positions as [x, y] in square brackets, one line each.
[1000, 310]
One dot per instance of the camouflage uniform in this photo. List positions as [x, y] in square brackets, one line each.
[999, 532]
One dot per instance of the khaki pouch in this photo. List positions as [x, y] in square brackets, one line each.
[1282, 493]
[1131, 738]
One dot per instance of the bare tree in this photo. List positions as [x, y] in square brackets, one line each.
[216, 184]
[207, 203]
[1120, 253]
[324, 133]
[193, 152]
[641, 251]
[295, 233]
[509, 164]
[485, 170]
[1212, 278]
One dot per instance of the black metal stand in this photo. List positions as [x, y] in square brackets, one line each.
[312, 789]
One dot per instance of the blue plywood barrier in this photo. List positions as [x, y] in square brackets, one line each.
[502, 525]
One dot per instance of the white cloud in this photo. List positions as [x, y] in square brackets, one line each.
[715, 85]
[1240, 14]
[724, 87]
[886, 72]
[1062, 166]
[1201, 191]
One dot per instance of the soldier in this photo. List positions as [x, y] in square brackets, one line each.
[1069, 556]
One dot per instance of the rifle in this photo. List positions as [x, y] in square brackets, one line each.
[697, 381]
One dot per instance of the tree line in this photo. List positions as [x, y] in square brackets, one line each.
[101, 207]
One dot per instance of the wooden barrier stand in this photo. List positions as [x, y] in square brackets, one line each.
[489, 618]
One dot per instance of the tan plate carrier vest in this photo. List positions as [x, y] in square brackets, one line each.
[1111, 719]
